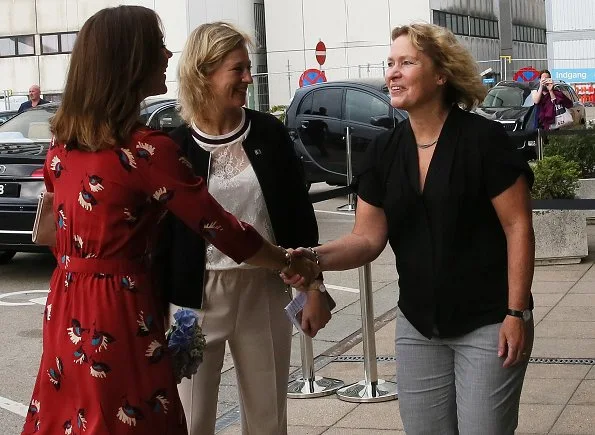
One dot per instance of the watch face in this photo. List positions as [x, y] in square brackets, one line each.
[527, 314]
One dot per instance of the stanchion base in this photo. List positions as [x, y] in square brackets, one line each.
[346, 207]
[366, 392]
[302, 388]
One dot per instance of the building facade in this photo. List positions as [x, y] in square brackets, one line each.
[36, 37]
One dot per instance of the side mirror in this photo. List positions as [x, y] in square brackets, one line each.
[382, 121]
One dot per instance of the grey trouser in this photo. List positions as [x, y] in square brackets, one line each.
[452, 386]
[245, 308]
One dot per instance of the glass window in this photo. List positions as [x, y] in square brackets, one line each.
[306, 105]
[507, 96]
[327, 102]
[7, 47]
[49, 44]
[25, 45]
[361, 106]
[472, 27]
[67, 40]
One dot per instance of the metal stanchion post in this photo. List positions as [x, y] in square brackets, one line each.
[539, 144]
[350, 206]
[370, 389]
[310, 385]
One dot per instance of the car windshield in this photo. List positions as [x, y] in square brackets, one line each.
[32, 125]
[508, 96]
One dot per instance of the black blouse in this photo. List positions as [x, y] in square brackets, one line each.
[449, 245]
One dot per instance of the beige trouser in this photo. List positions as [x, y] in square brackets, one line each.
[244, 307]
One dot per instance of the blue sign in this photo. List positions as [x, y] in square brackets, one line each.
[574, 75]
[489, 81]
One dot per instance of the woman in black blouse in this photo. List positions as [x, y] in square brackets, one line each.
[449, 193]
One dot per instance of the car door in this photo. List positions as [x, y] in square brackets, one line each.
[318, 122]
[366, 116]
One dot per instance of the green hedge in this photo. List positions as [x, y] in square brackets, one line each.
[579, 149]
[555, 178]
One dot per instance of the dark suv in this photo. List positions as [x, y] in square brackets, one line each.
[319, 115]
[510, 103]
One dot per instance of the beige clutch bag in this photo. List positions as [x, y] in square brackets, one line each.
[44, 228]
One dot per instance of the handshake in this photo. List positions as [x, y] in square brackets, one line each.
[303, 270]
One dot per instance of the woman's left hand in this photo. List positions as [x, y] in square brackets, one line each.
[512, 341]
[315, 314]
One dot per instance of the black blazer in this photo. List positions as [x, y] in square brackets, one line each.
[181, 252]
[450, 248]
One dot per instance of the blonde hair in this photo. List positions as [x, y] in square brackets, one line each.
[204, 51]
[451, 58]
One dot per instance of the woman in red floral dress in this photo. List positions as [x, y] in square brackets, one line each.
[105, 369]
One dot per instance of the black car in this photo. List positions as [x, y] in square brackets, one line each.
[320, 116]
[511, 104]
[24, 142]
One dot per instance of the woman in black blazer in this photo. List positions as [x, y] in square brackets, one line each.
[249, 163]
[448, 191]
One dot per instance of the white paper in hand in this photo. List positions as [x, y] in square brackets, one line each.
[294, 309]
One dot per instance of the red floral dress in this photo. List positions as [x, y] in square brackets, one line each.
[105, 369]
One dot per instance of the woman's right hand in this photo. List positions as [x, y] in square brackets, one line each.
[302, 271]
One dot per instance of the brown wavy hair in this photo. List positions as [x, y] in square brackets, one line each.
[204, 51]
[451, 58]
[115, 52]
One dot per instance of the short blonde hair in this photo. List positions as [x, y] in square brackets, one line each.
[451, 58]
[204, 51]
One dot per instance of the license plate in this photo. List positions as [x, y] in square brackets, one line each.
[9, 190]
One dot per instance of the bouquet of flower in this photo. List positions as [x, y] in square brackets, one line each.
[186, 343]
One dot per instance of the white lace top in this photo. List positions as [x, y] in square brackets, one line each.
[233, 183]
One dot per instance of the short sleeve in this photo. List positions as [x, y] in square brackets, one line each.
[165, 175]
[502, 164]
[370, 183]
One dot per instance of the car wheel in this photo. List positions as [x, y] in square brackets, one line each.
[6, 256]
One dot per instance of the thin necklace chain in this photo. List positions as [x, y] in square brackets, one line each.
[427, 145]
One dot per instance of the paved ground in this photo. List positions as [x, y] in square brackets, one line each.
[558, 398]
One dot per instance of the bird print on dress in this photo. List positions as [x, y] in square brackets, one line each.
[158, 401]
[126, 159]
[145, 324]
[144, 150]
[76, 331]
[210, 229]
[99, 369]
[127, 283]
[61, 217]
[86, 199]
[56, 166]
[101, 340]
[67, 427]
[155, 352]
[128, 414]
[55, 374]
[162, 195]
[80, 357]
[81, 421]
[95, 183]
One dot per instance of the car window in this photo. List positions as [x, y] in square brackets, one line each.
[361, 106]
[32, 124]
[508, 96]
[306, 105]
[167, 119]
[327, 102]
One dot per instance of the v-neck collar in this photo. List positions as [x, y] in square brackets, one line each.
[441, 162]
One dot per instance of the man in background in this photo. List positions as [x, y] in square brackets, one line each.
[34, 99]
